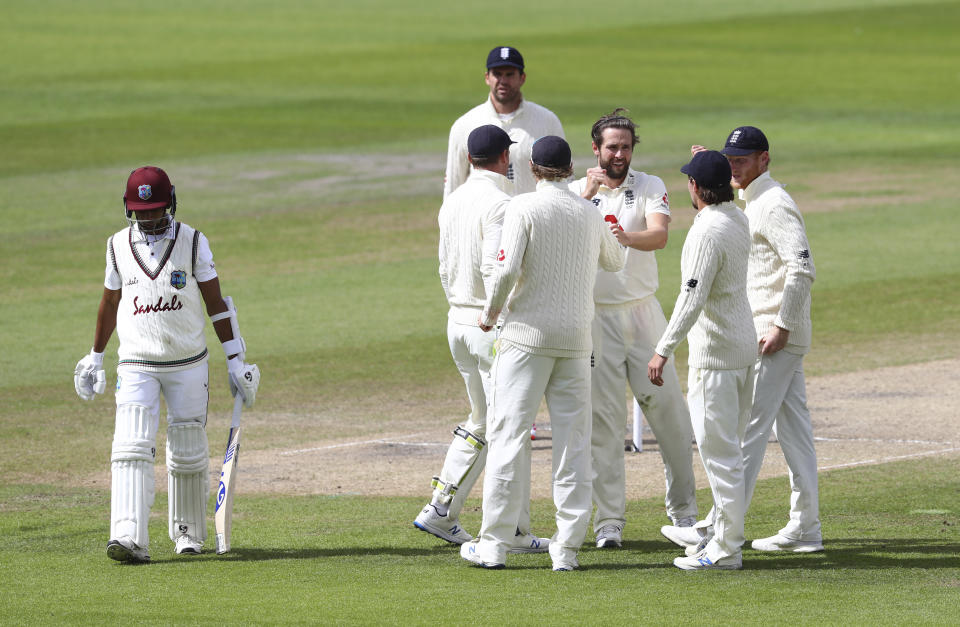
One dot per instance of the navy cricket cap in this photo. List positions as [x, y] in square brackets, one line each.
[505, 55]
[487, 141]
[551, 151]
[745, 140]
[709, 169]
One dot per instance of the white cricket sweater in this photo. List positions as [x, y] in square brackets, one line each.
[640, 195]
[161, 316]
[526, 125]
[470, 221]
[551, 244]
[712, 306]
[781, 269]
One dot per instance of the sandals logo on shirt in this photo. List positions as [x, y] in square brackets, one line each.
[178, 279]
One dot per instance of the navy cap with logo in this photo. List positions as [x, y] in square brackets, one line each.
[487, 141]
[709, 169]
[148, 187]
[745, 140]
[505, 56]
[551, 151]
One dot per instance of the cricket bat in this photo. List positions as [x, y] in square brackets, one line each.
[223, 513]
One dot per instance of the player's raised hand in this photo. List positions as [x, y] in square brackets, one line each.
[697, 148]
[89, 379]
[595, 177]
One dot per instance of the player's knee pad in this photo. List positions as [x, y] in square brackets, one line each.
[135, 434]
[463, 454]
[188, 479]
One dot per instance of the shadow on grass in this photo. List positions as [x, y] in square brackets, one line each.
[863, 554]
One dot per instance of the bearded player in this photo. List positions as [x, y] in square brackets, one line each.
[159, 278]
[627, 324]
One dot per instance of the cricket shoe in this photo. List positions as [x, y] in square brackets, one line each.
[693, 549]
[431, 521]
[684, 521]
[529, 543]
[683, 536]
[700, 561]
[124, 549]
[566, 565]
[783, 543]
[610, 537]
[631, 447]
[187, 545]
[468, 551]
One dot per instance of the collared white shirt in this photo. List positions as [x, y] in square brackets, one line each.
[152, 247]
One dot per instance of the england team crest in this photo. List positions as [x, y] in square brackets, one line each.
[178, 279]
[145, 192]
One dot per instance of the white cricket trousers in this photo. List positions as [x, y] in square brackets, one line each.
[625, 337]
[720, 402]
[520, 380]
[780, 404]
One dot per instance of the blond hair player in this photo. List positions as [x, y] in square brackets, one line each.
[159, 280]
[626, 327]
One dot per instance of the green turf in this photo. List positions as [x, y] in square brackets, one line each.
[306, 139]
[892, 557]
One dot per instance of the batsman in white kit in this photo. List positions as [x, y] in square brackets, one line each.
[627, 325]
[159, 280]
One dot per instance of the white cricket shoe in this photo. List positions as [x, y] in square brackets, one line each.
[704, 541]
[187, 545]
[431, 521]
[783, 543]
[610, 537]
[683, 536]
[566, 565]
[529, 543]
[684, 521]
[124, 549]
[700, 561]
[468, 551]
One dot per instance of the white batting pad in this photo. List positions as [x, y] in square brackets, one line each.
[134, 435]
[188, 480]
[131, 497]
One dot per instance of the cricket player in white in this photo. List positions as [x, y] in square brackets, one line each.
[626, 327]
[159, 278]
[713, 308]
[523, 120]
[470, 222]
[780, 276]
[551, 244]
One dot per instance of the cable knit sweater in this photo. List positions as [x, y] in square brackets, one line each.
[781, 269]
[526, 125]
[470, 221]
[712, 306]
[551, 243]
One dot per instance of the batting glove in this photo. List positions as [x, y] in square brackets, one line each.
[244, 380]
[89, 379]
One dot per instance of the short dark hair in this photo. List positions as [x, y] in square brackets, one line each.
[615, 119]
[715, 196]
[544, 173]
[485, 162]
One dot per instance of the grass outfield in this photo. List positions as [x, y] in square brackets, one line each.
[307, 141]
[892, 557]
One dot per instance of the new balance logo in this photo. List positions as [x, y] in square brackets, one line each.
[705, 561]
[535, 544]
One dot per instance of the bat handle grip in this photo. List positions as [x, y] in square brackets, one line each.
[237, 411]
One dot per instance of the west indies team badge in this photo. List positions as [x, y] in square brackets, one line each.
[178, 279]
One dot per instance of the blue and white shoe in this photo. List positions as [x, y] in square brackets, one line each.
[468, 551]
[700, 561]
[431, 521]
[565, 565]
[529, 543]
